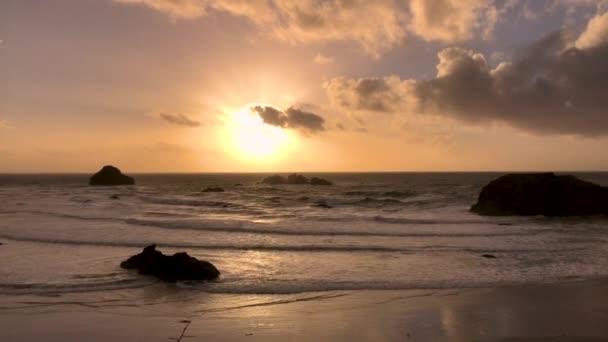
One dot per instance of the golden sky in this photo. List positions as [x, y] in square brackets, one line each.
[308, 85]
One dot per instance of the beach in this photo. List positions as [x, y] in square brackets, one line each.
[575, 311]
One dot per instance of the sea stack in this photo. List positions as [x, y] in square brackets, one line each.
[541, 194]
[110, 175]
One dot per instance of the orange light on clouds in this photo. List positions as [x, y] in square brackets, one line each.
[249, 139]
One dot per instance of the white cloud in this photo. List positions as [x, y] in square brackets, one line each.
[595, 34]
[552, 86]
[452, 20]
[376, 26]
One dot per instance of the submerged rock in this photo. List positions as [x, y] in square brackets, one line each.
[319, 181]
[541, 194]
[295, 178]
[488, 256]
[115, 196]
[179, 266]
[110, 175]
[274, 180]
[322, 204]
[213, 189]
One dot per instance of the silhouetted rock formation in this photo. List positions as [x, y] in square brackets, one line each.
[541, 194]
[296, 179]
[179, 266]
[274, 180]
[319, 181]
[109, 175]
[213, 189]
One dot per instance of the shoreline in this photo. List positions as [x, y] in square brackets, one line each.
[571, 311]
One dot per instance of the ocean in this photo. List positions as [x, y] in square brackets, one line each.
[369, 231]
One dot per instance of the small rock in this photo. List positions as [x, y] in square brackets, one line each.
[274, 180]
[114, 197]
[213, 189]
[488, 256]
[179, 266]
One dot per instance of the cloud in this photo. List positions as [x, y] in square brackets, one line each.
[175, 8]
[596, 33]
[376, 26]
[322, 59]
[452, 20]
[4, 124]
[180, 119]
[555, 85]
[292, 118]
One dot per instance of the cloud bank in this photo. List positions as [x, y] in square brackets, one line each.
[555, 85]
[292, 118]
[180, 120]
[375, 25]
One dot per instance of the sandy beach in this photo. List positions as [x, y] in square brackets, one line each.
[576, 311]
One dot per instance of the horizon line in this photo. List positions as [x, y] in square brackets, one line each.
[300, 172]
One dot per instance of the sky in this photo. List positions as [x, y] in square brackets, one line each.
[303, 85]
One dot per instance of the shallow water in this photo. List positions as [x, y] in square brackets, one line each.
[384, 231]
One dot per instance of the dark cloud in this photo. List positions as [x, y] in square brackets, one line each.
[556, 85]
[271, 116]
[293, 118]
[300, 119]
[180, 119]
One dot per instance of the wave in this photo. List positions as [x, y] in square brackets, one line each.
[375, 201]
[394, 194]
[189, 202]
[240, 228]
[61, 215]
[400, 220]
[315, 286]
[44, 288]
[291, 248]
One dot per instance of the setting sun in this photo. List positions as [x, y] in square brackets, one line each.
[251, 139]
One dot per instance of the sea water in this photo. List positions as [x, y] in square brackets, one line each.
[375, 231]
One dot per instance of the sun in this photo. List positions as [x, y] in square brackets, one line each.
[251, 139]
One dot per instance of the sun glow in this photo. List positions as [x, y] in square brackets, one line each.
[252, 140]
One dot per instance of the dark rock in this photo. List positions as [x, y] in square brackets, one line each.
[179, 266]
[296, 179]
[488, 256]
[213, 189]
[115, 197]
[274, 180]
[109, 175]
[319, 181]
[541, 194]
[322, 205]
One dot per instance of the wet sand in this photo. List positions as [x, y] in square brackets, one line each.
[576, 311]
